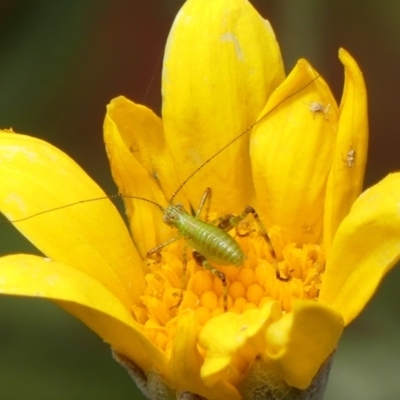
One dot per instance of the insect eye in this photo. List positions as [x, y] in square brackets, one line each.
[168, 218]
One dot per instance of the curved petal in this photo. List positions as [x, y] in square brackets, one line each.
[299, 343]
[141, 167]
[186, 361]
[36, 177]
[86, 299]
[143, 134]
[221, 63]
[291, 151]
[231, 338]
[366, 246]
[347, 174]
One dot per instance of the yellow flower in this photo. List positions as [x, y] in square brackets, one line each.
[301, 167]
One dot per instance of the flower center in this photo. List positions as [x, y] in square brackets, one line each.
[169, 291]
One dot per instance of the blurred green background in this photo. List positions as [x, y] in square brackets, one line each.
[61, 63]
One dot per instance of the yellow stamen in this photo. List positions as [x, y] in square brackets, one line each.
[249, 286]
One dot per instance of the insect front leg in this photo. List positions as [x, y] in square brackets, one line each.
[202, 262]
[154, 253]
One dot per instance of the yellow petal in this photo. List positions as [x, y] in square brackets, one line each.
[143, 134]
[141, 166]
[221, 63]
[231, 338]
[186, 362]
[291, 152]
[86, 299]
[347, 174]
[91, 236]
[301, 341]
[366, 246]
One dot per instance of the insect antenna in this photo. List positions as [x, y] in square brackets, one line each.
[200, 167]
[180, 187]
[113, 196]
[127, 196]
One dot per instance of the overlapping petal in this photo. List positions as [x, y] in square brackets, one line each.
[84, 297]
[366, 246]
[36, 177]
[141, 166]
[299, 343]
[233, 340]
[186, 363]
[291, 153]
[347, 175]
[294, 345]
[214, 86]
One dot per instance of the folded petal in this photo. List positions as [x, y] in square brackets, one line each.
[186, 363]
[141, 166]
[221, 63]
[86, 299]
[37, 178]
[299, 343]
[291, 153]
[347, 174]
[232, 341]
[366, 246]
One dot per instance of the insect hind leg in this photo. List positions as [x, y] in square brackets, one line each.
[202, 262]
[231, 221]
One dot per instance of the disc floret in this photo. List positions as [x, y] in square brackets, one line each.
[250, 286]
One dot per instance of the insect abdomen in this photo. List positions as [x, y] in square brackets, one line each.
[212, 242]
